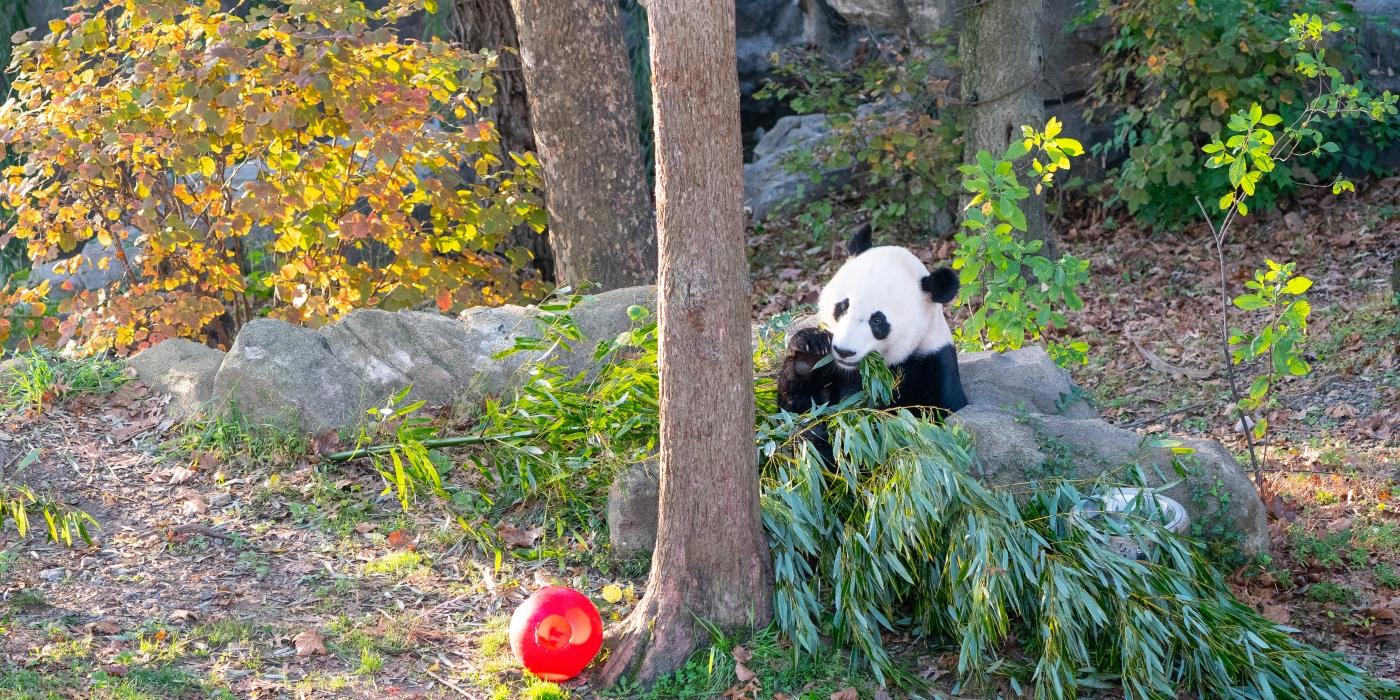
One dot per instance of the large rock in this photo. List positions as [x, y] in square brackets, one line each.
[181, 368]
[318, 380]
[632, 510]
[1017, 448]
[284, 374]
[388, 350]
[769, 185]
[1380, 43]
[1022, 377]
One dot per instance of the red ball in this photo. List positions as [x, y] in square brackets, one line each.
[555, 633]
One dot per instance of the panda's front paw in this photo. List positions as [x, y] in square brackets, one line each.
[806, 348]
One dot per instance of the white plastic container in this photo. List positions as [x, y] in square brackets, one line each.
[1121, 502]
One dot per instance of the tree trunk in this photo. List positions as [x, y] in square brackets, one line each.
[711, 560]
[1002, 70]
[581, 103]
[490, 24]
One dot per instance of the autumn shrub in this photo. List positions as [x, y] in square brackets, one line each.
[297, 162]
[889, 123]
[1173, 73]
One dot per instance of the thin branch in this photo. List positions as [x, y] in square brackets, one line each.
[1218, 235]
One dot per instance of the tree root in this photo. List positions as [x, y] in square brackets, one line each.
[653, 641]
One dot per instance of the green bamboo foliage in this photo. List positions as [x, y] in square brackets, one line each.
[898, 535]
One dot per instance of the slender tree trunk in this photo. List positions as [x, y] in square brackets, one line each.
[711, 561]
[581, 103]
[490, 24]
[1002, 69]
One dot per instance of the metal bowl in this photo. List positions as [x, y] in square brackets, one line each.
[1130, 501]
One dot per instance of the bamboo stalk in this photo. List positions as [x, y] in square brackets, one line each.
[452, 441]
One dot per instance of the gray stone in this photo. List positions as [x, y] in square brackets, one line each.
[1022, 377]
[632, 510]
[919, 17]
[390, 350]
[1380, 44]
[284, 374]
[1016, 448]
[181, 368]
[768, 184]
[53, 575]
[317, 380]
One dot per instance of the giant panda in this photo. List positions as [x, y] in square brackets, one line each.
[882, 300]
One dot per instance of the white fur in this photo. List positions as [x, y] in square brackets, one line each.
[885, 279]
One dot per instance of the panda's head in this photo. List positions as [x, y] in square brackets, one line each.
[884, 300]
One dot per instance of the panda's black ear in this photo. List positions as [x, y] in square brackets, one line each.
[860, 240]
[941, 284]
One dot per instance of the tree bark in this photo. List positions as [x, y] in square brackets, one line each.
[580, 89]
[711, 560]
[490, 24]
[1002, 69]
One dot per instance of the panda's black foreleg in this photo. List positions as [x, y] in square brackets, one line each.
[804, 381]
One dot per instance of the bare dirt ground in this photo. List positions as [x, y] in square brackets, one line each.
[229, 564]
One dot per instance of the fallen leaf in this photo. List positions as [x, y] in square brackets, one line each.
[180, 475]
[1275, 612]
[400, 539]
[326, 442]
[105, 627]
[516, 537]
[362, 528]
[846, 694]
[1342, 410]
[741, 654]
[309, 643]
[613, 593]
[743, 673]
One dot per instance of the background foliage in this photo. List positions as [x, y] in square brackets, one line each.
[889, 123]
[297, 162]
[1173, 73]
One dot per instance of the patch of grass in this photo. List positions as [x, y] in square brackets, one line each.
[1327, 550]
[232, 439]
[24, 683]
[1386, 576]
[710, 671]
[1329, 592]
[400, 564]
[65, 652]
[544, 690]
[220, 633]
[371, 662]
[27, 599]
[40, 378]
[364, 643]
[1382, 538]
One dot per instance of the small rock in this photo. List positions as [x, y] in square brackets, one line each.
[53, 575]
[632, 504]
[1293, 221]
[181, 368]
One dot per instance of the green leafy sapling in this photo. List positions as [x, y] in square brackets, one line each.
[1253, 150]
[1018, 293]
[1278, 295]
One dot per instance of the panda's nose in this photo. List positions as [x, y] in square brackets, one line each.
[843, 352]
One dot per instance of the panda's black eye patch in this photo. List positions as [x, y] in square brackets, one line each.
[879, 326]
[840, 310]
